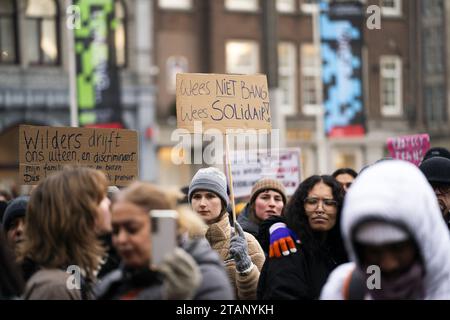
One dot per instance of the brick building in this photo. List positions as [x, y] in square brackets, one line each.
[405, 72]
[226, 37]
[34, 72]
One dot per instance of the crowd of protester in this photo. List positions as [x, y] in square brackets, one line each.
[382, 233]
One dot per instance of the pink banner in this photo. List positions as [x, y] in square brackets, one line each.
[409, 148]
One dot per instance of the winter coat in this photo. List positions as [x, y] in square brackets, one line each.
[247, 223]
[51, 284]
[128, 284]
[149, 285]
[299, 276]
[29, 267]
[215, 284]
[219, 236]
[396, 192]
[111, 260]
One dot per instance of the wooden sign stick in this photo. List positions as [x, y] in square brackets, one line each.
[228, 163]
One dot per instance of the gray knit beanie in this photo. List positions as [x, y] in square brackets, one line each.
[209, 179]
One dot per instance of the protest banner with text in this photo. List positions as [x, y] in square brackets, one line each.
[45, 150]
[223, 101]
[248, 167]
[410, 148]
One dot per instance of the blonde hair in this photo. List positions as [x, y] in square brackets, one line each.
[145, 195]
[150, 197]
[191, 223]
[61, 218]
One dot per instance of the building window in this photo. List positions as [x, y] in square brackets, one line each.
[175, 4]
[175, 65]
[120, 36]
[286, 6]
[287, 75]
[432, 9]
[241, 5]
[308, 6]
[41, 23]
[391, 85]
[8, 32]
[310, 63]
[391, 8]
[242, 57]
[433, 57]
[435, 105]
[433, 35]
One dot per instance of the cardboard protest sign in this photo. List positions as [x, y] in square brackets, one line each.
[222, 101]
[410, 148]
[284, 165]
[45, 150]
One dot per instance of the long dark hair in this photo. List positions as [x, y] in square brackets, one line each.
[11, 281]
[298, 221]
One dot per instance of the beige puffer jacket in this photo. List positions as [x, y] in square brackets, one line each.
[218, 236]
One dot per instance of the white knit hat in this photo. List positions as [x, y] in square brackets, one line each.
[379, 233]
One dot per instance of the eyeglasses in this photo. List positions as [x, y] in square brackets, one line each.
[312, 203]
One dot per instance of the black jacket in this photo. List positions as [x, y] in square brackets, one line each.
[111, 260]
[298, 276]
[127, 284]
[246, 223]
[149, 285]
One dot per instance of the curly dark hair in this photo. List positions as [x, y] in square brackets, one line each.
[297, 220]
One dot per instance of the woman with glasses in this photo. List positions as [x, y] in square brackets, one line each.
[313, 213]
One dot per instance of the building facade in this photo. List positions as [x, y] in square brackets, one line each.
[34, 73]
[405, 73]
[226, 37]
